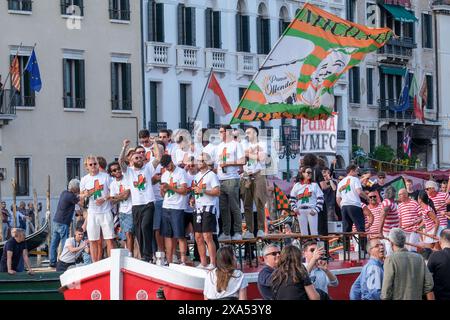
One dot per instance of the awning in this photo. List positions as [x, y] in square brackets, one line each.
[396, 71]
[400, 13]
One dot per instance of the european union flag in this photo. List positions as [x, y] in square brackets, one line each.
[33, 69]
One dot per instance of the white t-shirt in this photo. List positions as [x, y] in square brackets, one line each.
[98, 186]
[226, 153]
[71, 257]
[252, 165]
[211, 150]
[346, 189]
[119, 187]
[148, 153]
[190, 184]
[173, 200]
[172, 149]
[236, 282]
[157, 187]
[208, 181]
[140, 184]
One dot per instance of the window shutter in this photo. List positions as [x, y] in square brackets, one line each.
[246, 34]
[127, 81]
[81, 84]
[238, 33]
[192, 26]
[151, 21]
[259, 36]
[111, 9]
[208, 28]
[180, 11]
[160, 22]
[266, 35]
[66, 83]
[153, 102]
[217, 29]
[125, 8]
[114, 93]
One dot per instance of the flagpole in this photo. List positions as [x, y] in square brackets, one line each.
[9, 73]
[203, 94]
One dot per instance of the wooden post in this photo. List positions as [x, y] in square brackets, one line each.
[36, 213]
[14, 185]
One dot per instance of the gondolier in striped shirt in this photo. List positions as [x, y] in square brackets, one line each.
[389, 216]
[440, 201]
[409, 218]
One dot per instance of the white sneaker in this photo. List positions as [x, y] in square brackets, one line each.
[260, 234]
[247, 235]
[200, 266]
[210, 267]
[237, 236]
[224, 237]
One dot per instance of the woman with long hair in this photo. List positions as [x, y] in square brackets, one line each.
[225, 282]
[430, 219]
[290, 281]
[306, 200]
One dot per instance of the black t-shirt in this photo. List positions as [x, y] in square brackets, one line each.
[66, 207]
[17, 250]
[439, 266]
[264, 282]
[292, 291]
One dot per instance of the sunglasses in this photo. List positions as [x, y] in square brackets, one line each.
[275, 253]
[115, 170]
[92, 164]
[308, 172]
[372, 197]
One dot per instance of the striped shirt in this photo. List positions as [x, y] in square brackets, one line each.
[439, 201]
[409, 214]
[306, 196]
[376, 211]
[391, 220]
[429, 223]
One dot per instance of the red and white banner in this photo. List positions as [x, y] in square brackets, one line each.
[319, 136]
[215, 98]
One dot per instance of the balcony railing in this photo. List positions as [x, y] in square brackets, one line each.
[121, 105]
[386, 111]
[215, 59]
[398, 48]
[214, 126]
[20, 5]
[158, 54]
[341, 134]
[74, 103]
[7, 108]
[188, 57]
[246, 63]
[156, 126]
[117, 14]
[261, 59]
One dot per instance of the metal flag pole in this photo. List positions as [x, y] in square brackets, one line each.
[14, 185]
[203, 94]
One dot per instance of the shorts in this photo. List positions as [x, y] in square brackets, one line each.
[172, 225]
[157, 215]
[126, 222]
[97, 222]
[188, 218]
[205, 220]
[431, 240]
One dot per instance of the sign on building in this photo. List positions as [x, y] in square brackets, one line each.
[319, 136]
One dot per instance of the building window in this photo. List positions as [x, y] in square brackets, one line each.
[429, 92]
[383, 137]
[154, 86]
[242, 29]
[119, 10]
[283, 21]
[263, 30]
[184, 105]
[22, 166]
[355, 92]
[355, 135]
[369, 80]
[155, 21]
[73, 166]
[73, 83]
[372, 140]
[186, 25]
[351, 10]
[427, 31]
[121, 86]
[211, 116]
[20, 5]
[72, 7]
[212, 29]
[25, 97]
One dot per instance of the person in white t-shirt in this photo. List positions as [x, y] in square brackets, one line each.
[146, 141]
[209, 147]
[120, 195]
[165, 136]
[95, 187]
[174, 188]
[206, 190]
[230, 159]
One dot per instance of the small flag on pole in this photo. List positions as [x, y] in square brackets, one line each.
[407, 144]
[15, 73]
[215, 98]
[35, 75]
[281, 200]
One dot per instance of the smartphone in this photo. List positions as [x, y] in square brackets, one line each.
[321, 244]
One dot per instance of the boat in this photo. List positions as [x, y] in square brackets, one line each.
[121, 277]
[38, 286]
[35, 239]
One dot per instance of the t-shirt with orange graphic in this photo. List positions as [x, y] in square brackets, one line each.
[148, 153]
[173, 200]
[98, 187]
[208, 181]
[140, 184]
[347, 191]
[306, 195]
[119, 187]
[190, 184]
[229, 152]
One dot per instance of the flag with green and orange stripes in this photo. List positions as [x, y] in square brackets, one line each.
[296, 80]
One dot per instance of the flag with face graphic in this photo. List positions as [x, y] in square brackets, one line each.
[296, 80]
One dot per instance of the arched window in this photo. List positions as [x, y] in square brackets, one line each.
[283, 21]
[263, 30]
[242, 28]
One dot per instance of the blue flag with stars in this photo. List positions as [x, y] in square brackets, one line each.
[33, 69]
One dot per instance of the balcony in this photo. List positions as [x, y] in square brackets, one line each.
[156, 126]
[400, 48]
[246, 63]
[158, 54]
[188, 58]
[341, 134]
[7, 108]
[386, 112]
[261, 59]
[216, 59]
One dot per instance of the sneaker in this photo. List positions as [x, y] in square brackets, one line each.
[247, 235]
[260, 234]
[210, 267]
[238, 236]
[52, 265]
[224, 237]
[202, 267]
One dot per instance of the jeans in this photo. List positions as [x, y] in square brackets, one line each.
[60, 233]
[230, 206]
[4, 231]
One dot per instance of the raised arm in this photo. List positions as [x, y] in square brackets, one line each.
[122, 156]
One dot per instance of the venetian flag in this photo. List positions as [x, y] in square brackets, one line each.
[296, 80]
[215, 98]
[15, 73]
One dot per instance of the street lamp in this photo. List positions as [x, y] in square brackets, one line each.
[289, 145]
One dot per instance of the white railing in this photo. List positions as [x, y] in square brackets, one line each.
[246, 63]
[215, 59]
[158, 54]
[188, 57]
[261, 59]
